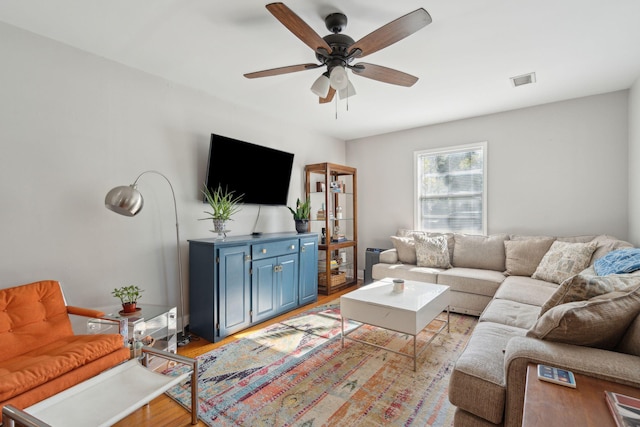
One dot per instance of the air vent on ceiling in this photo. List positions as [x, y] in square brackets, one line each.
[524, 79]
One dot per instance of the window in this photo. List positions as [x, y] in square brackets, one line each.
[450, 191]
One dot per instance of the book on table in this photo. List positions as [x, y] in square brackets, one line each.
[625, 409]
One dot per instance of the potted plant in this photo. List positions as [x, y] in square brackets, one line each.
[224, 204]
[129, 296]
[301, 214]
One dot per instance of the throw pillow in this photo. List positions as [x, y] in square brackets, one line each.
[523, 256]
[599, 322]
[587, 285]
[619, 261]
[485, 252]
[564, 260]
[432, 251]
[406, 248]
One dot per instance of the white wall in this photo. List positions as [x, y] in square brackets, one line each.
[73, 126]
[634, 161]
[555, 169]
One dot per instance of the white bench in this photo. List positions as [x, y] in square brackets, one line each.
[106, 398]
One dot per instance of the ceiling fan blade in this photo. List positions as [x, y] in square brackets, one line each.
[329, 97]
[281, 70]
[298, 27]
[392, 32]
[383, 74]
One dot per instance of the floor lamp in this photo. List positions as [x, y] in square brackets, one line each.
[127, 200]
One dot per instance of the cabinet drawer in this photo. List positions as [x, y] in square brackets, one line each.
[267, 250]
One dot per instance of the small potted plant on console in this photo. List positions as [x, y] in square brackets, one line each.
[301, 215]
[129, 296]
[223, 204]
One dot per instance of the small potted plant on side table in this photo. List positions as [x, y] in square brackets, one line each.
[301, 215]
[129, 296]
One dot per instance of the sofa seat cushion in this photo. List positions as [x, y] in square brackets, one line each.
[471, 280]
[510, 313]
[467, 303]
[48, 362]
[406, 272]
[526, 290]
[479, 371]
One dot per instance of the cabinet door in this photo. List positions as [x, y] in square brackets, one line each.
[287, 278]
[235, 289]
[264, 284]
[308, 273]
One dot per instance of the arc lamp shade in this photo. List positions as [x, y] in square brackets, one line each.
[125, 200]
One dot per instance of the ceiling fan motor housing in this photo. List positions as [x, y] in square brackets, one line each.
[340, 47]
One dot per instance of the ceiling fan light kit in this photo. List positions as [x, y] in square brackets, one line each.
[336, 51]
[321, 86]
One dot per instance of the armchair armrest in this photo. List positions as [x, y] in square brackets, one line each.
[85, 312]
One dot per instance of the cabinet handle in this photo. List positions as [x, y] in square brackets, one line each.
[303, 249]
[293, 247]
[264, 251]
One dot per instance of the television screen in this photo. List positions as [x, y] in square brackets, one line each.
[260, 174]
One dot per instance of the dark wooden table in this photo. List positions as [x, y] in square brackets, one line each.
[547, 404]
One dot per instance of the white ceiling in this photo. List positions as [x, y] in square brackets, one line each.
[464, 58]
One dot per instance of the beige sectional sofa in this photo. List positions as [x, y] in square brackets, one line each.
[539, 299]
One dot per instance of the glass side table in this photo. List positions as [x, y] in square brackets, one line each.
[155, 323]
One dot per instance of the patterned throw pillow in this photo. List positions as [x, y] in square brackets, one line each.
[432, 251]
[406, 249]
[587, 285]
[599, 322]
[564, 260]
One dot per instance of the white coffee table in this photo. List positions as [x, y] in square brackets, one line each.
[407, 312]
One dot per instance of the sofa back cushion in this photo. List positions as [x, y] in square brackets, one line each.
[599, 322]
[524, 255]
[475, 251]
[607, 244]
[31, 316]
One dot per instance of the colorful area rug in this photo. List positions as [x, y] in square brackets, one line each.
[296, 373]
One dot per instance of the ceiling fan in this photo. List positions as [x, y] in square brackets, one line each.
[336, 51]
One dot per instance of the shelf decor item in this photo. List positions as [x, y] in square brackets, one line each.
[224, 204]
[301, 215]
[129, 296]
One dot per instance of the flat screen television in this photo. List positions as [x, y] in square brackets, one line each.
[261, 174]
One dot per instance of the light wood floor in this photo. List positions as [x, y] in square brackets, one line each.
[165, 412]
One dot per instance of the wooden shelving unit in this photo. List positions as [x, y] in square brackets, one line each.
[333, 190]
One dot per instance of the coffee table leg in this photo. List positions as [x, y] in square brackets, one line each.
[415, 353]
[342, 334]
[448, 318]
